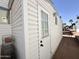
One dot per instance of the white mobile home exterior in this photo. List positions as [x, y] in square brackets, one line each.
[35, 38]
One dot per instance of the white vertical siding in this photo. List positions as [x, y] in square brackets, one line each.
[17, 27]
[33, 28]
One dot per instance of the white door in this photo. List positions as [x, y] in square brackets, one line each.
[44, 37]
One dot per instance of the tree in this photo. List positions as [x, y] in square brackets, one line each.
[71, 21]
[77, 17]
[64, 23]
[76, 22]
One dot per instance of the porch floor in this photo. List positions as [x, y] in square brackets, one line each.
[68, 49]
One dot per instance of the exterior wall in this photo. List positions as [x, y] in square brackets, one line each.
[4, 3]
[56, 35]
[5, 29]
[25, 28]
[17, 26]
[33, 28]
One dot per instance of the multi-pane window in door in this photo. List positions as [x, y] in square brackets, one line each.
[44, 21]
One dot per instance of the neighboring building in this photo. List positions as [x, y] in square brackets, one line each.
[77, 26]
[35, 25]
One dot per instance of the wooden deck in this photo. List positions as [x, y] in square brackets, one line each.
[68, 49]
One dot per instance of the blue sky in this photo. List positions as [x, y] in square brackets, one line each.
[68, 9]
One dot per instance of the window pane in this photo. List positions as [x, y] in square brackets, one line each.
[44, 20]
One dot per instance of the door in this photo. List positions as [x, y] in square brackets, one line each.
[44, 37]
